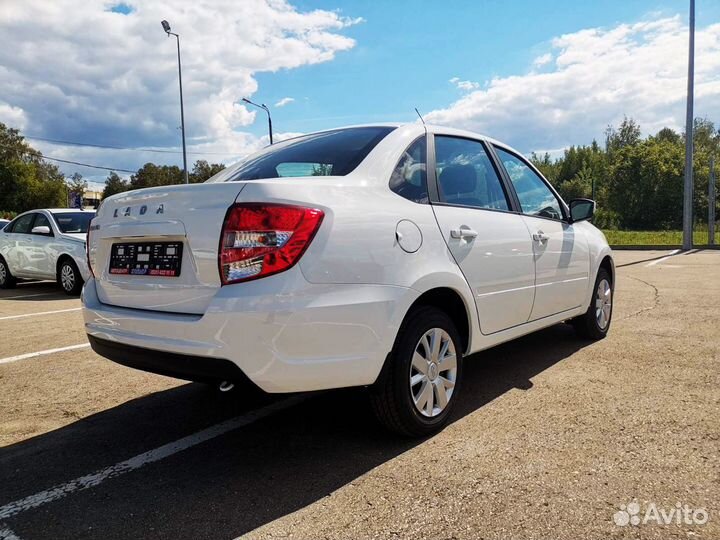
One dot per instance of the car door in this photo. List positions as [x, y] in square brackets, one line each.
[19, 246]
[489, 241]
[562, 260]
[41, 252]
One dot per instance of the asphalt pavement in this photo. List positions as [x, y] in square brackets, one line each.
[553, 436]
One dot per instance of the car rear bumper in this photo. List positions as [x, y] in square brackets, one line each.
[181, 366]
[281, 332]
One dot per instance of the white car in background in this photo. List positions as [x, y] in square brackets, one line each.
[3, 222]
[375, 256]
[46, 244]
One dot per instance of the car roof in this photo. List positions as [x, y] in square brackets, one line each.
[65, 210]
[55, 211]
[432, 128]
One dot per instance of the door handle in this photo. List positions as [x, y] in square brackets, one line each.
[540, 237]
[463, 232]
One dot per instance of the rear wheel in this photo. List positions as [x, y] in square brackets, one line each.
[596, 321]
[7, 280]
[420, 385]
[69, 278]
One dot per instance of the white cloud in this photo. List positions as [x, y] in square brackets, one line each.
[464, 85]
[599, 75]
[75, 70]
[12, 116]
[542, 60]
[284, 101]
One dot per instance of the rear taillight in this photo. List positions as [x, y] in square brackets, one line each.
[261, 239]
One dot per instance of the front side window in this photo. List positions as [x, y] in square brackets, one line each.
[23, 224]
[42, 221]
[73, 222]
[466, 175]
[409, 178]
[335, 153]
[535, 196]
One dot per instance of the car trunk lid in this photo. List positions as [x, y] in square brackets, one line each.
[190, 215]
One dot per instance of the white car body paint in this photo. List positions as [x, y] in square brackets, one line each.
[35, 256]
[331, 320]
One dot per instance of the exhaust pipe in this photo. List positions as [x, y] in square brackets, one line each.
[226, 386]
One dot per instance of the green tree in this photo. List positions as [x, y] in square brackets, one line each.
[202, 171]
[628, 134]
[114, 184]
[151, 175]
[645, 185]
[546, 166]
[77, 184]
[26, 181]
[580, 186]
[706, 144]
[669, 135]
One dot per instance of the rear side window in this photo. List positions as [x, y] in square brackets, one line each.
[23, 224]
[466, 175]
[409, 178]
[331, 153]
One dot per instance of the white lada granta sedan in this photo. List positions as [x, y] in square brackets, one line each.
[373, 256]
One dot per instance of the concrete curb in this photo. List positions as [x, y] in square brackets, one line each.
[662, 247]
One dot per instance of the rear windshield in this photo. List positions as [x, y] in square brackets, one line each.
[330, 153]
[73, 222]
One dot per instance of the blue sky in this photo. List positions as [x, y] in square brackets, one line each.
[405, 54]
[538, 75]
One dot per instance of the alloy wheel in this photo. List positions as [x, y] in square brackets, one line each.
[433, 372]
[603, 303]
[67, 277]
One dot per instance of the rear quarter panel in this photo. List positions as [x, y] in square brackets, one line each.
[357, 242]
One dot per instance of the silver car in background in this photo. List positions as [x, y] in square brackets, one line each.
[46, 244]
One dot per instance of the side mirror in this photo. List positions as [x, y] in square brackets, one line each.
[42, 229]
[581, 209]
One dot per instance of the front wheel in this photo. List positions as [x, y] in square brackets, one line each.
[7, 280]
[595, 323]
[70, 279]
[420, 385]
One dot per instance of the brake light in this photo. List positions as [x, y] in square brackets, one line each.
[261, 239]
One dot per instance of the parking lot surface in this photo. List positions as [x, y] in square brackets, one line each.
[550, 437]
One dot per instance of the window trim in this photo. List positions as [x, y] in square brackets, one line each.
[434, 193]
[561, 202]
[427, 161]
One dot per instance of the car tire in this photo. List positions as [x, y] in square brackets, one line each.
[412, 397]
[7, 280]
[69, 278]
[595, 323]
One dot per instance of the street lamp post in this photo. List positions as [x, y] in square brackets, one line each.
[166, 27]
[689, 130]
[263, 107]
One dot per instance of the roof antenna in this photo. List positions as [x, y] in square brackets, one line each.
[422, 120]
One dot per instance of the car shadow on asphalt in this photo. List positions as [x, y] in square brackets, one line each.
[244, 479]
[35, 291]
